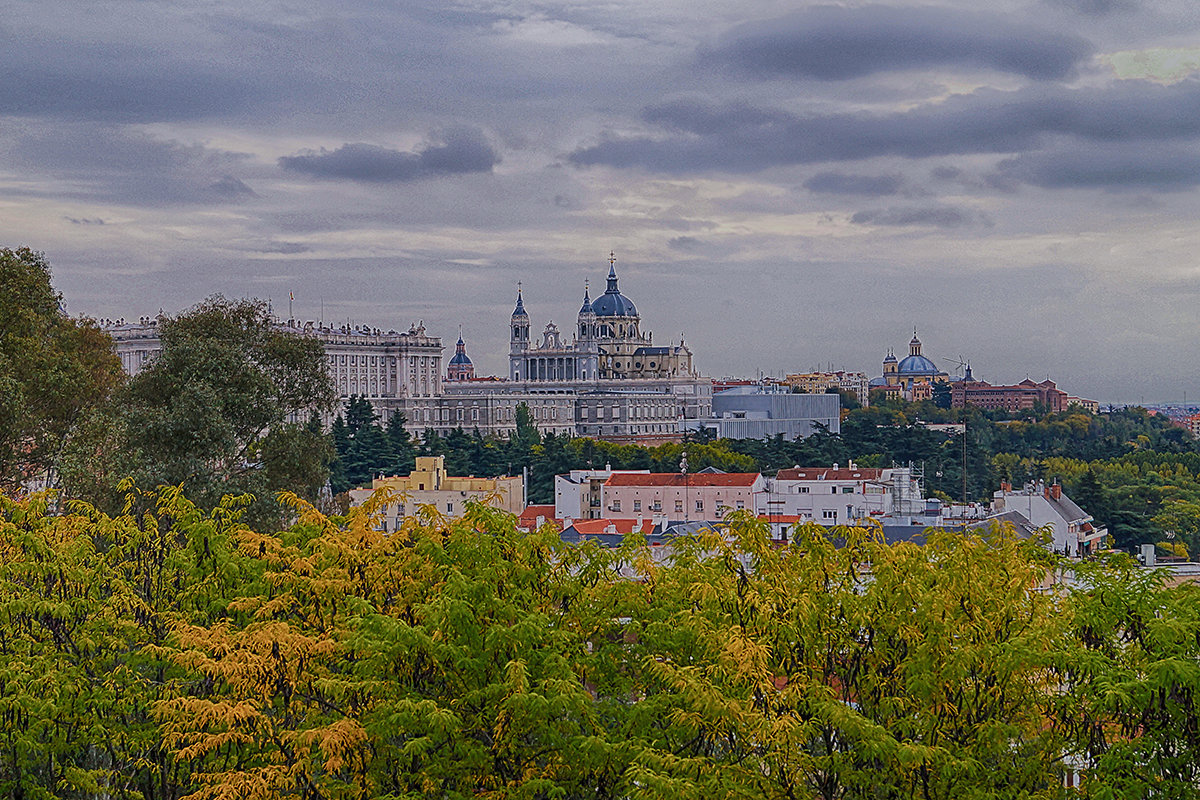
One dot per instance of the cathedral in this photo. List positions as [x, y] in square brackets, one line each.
[607, 344]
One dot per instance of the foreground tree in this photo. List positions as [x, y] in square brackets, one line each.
[221, 408]
[54, 370]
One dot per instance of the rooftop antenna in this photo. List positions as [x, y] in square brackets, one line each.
[291, 297]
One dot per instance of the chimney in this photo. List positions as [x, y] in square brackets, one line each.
[1056, 491]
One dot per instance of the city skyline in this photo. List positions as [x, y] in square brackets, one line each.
[786, 187]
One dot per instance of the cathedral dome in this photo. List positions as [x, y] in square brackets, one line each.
[916, 365]
[612, 303]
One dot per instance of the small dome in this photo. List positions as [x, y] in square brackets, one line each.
[460, 355]
[519, 311]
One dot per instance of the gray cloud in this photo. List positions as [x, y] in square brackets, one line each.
[117, 164]
[702, 136]
[931, 216]
[1095, 8]
[115, 81]
[842, 183]
[836, 43]
[1111, 167]
[461, 151]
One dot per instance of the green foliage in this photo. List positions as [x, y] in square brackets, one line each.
[215, 408]
[168, 652]
[55, 372]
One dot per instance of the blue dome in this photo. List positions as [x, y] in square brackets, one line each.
[612, 303]
[460, 358]
[916, 365]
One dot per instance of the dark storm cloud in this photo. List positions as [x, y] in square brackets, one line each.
[700, 136]
[927, 216]
[837, 43]
[115, 164]
[461, 151]
[1115, 168]
[842, 183]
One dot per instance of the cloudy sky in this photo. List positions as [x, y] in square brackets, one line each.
[788, 185]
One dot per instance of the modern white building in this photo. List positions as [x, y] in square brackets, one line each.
[761, 412]
[846, 495]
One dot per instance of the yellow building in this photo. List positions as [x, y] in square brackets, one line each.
[429, 485]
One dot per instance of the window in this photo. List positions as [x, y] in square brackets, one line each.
[616, 505]
[833, 489]
[637, 505]
[699, 506]
[847, 490]
[828, 514]
[741, 504]
[678, 506]
[449, 508]
[802, 490]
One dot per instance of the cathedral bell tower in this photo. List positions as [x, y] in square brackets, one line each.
[587, 318]
[519, 327]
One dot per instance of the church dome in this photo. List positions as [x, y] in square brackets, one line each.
[460, 355]
[612, 303]
[916, 365]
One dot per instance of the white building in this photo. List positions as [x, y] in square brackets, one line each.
[1037, 505]
[845, 495]
[758, 412]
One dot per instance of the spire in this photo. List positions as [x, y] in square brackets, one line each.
[586, 308]
[519, 311]
[612, 274]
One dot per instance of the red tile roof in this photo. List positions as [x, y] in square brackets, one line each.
[592, 527]
[828, 474]
[676, 479]
[529, 516]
